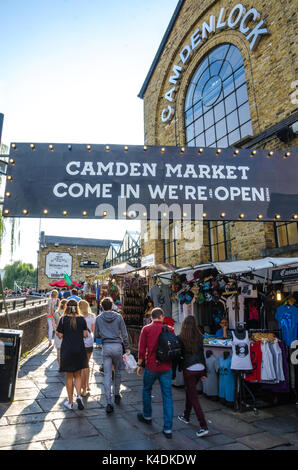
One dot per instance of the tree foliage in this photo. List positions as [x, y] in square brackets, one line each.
[22, 273]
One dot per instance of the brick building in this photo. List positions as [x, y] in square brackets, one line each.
[78, 257]
[224, 76]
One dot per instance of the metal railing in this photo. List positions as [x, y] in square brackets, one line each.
[20, 302]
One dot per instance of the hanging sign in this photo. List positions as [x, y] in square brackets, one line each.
[151, 183]
[285, 274]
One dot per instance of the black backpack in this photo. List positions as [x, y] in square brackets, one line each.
[168, 346]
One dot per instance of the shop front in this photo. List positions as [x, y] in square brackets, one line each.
[248, 313]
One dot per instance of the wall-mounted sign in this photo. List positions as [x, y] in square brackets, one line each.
[57, 264]
[285, 274]
[151, 183]
[248, 22]
[148, 260]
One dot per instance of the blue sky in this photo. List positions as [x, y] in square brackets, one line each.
[70, 72]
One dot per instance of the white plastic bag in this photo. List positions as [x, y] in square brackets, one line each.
[130, 364]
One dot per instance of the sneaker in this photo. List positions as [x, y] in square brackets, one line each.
[117, 399]
[68, 405]
[143, 420]
[109, 408]
[167, 434]
[183, 419]
[202, 432]
[80, 403]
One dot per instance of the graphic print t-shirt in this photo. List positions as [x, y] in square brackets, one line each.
[287, 318]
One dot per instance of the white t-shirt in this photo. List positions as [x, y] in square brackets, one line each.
[90, 320]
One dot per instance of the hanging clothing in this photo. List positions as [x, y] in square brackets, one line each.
[281, 387]
[231, 308]
[267, 370]
[226, 379]
[203, 313]
[249, 289]
[287, 318]
[161, 297]
[210, 384]
[256, 360]
[241, 353]
[277, 361]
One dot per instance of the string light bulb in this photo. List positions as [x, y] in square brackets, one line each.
[13, 146]
[9, 178]
[84, 213]
[32, 146]
[218, 152]
[287, 154]
[270, 154]
[125, 148]
[295, 216]
[223, 214]
[204, 215]
[260, 216]
[64, 212]
[45, 211]
[7, 194]
[201, 150]
[104, 213]
[107, 148]
[236, 153]
[145, 148]
[11, 161]
[163, 150]
[6, 211]
[277, 216]
[25, 211]
[51, 147]
[88, 147]
[241, 216]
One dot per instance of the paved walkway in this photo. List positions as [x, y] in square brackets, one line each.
[37, 420]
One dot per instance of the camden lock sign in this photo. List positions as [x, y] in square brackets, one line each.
[118, 182]
[248, 22]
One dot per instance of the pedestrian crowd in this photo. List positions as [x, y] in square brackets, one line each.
[75, 330]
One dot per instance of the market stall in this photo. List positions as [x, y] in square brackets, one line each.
[135, 287]
[261, 298]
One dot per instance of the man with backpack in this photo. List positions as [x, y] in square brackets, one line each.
[157, 345]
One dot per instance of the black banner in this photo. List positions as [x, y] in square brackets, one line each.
[118, 182]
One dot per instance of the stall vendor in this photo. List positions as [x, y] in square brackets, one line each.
[223, 331]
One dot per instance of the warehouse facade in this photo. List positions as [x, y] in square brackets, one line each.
[224, 76]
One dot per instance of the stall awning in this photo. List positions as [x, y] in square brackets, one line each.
[243, 266]
[237, 267]
[106, 273]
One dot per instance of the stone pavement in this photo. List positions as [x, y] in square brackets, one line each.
[37, 420]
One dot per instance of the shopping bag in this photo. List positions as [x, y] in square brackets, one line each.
[130, 363]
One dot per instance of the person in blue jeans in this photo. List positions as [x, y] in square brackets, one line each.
[153, 371]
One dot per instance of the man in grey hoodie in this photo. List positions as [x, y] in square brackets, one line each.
[110, 327]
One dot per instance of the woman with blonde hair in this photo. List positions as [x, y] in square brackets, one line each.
[53, 304]
[89, 341]
[56, 318]
[72, 329]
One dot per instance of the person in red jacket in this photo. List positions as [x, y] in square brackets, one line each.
[155, 370]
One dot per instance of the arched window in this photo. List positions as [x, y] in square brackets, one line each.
[216, 105]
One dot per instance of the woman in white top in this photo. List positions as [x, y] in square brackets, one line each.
[89, 341]
[56, 318]
[53, 304]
